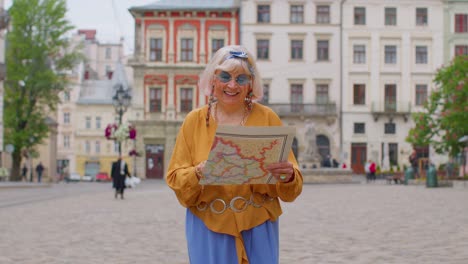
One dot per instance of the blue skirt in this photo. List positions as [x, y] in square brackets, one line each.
[207, 247]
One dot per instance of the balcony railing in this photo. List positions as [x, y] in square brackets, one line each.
[391, 108]
[306, 110]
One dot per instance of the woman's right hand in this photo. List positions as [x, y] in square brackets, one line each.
[199, 169]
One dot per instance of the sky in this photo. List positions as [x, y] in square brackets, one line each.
[110, 18]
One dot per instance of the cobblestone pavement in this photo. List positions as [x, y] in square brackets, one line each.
[354, 223]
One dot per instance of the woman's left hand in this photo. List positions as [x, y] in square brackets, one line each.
[282, 171]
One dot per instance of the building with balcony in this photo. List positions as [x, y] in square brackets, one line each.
[174, 39]
[297, 48]
[391, 52]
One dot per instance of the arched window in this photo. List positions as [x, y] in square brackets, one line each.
[323, 145]
[295, 148]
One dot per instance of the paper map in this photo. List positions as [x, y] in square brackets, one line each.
[239, 155]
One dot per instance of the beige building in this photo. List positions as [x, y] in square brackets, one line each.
[87, 108]
[93, 112]
[391, 51]
[297, 48]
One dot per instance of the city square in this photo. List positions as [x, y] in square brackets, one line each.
[328, 223]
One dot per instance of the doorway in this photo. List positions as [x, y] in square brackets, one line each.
[154, 161]
[358, 157]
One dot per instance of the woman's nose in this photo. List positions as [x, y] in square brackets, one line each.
[232, 83]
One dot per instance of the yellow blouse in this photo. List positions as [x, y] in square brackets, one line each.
[192, 146]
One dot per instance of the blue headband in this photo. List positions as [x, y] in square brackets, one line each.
[237, 55]
[240, 55]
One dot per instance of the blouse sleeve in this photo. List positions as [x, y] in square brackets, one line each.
[181, 175]
[289, 191]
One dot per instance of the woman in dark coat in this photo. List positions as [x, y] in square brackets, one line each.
[118, 173]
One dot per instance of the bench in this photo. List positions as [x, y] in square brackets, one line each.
[397, 178]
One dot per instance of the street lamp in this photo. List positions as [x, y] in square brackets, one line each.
[121, 101]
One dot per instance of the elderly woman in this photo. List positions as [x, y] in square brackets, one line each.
[249, 235]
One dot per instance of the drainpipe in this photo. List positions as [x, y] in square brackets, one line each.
[341, 82]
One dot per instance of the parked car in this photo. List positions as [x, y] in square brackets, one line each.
[73, 177]
[102, 177]
[87, 178]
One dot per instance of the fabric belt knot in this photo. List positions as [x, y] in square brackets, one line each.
[237, 204]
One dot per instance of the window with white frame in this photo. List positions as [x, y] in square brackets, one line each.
[66, 118]
[186, 99]
[321, 96]
[88, 122]
[322, 50]
[156, 49]
[390, 16]
[66, 141]
[461, 50]
[390, 54]
[66, 96]
[297, 95]
[421, 16]
[109, 72]
[359, 128]
[186, 49]
[359, 94]
[87, 147]
[297, 14]
[155, 99]
[359, 54]
[359, 16]
[108, 53]
[98, 122]
[116, 147]
[323, 14]
[156, 35]
[263, 13]
[297, 47]
[97, 147]
[263, 49]
[266, 93]
[216, 44]
[461, 23]
[217, 36]
[421, 94]
[421, 54]
[390, 128]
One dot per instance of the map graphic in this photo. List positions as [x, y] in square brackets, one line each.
[239, 155]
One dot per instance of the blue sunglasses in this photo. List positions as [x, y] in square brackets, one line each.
[241, 79]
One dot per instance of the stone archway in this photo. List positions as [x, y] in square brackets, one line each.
[323, 146]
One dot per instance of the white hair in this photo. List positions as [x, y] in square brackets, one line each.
[223, 60]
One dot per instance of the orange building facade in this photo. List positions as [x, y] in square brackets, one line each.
[172, 46]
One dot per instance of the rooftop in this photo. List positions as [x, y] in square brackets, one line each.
[188, 5]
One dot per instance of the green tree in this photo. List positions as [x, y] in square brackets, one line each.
[445, 116]
[37, 56]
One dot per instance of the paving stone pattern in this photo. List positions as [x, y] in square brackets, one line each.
[350, 223]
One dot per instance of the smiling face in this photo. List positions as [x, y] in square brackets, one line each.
[231, 87]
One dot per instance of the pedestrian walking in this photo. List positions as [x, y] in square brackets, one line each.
[39, 171]
[413, 160]
[238, 233]
[119, 172]
[367, 170]
[372, 170]
[24, 173]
